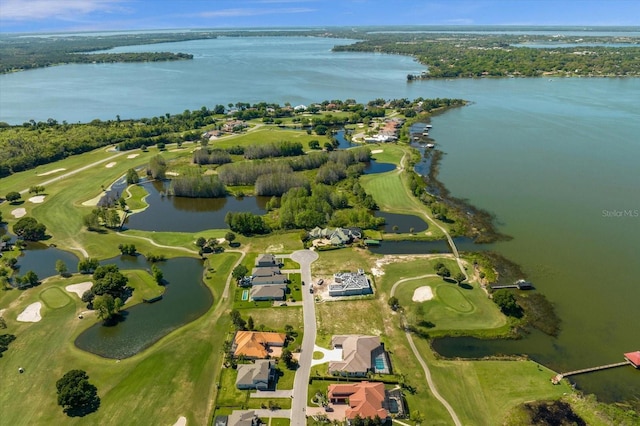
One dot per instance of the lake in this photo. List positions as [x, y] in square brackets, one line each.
[555, 159]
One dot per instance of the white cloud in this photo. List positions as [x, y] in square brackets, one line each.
[226, 13]
[20, 10]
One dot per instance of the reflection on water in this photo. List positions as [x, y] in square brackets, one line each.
[181, 214]
[185, 299]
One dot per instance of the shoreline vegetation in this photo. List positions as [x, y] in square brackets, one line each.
[25, 52]
[64, 218]
[446, 54]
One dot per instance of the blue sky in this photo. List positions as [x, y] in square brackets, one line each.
[99, 15]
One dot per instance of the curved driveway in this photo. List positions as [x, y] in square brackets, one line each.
[301, 382]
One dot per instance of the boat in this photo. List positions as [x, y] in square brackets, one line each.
[430, 145]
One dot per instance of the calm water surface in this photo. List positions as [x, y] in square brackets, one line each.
[555, 159]
[185, 299]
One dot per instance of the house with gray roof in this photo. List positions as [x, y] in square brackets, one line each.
[259, 375]
[337, 236]
[350, 284]
[360, 355]
[267, 260]
[243, 418]
[268, 292]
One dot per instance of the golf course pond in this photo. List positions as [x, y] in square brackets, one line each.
[185, 299]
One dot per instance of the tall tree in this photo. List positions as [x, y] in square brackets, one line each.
[76, 395]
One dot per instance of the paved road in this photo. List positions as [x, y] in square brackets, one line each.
[301, 381]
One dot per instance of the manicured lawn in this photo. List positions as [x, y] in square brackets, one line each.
[183, 364]
[230, 395]
[483, 392]
[290, 264]
[285, 377]
[280, 422]
[136, 201]
[144, 284]
[54, 298]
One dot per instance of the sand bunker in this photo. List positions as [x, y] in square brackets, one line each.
[172, 174]
[132, 155]
[37, 199]
[377, 151]
[422, 294]
[31, 313]
[51, 172]
[19, 212]
[182, 421]
[79, 289]
[111, 164]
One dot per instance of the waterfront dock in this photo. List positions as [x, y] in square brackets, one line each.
[631, 358]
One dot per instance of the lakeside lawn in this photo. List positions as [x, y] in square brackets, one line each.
[181, 364]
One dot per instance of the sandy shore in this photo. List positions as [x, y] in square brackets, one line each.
[79, 288]
[51, 172]
[37, 199]
[19, 212]
[422, 294]
[31, 313]
[111, 164]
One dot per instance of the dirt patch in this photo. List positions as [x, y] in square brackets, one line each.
[111, 164]
[19, 212]
[37, 199]
[132, 156]
[31, 313]
[80, 288]
[51, 172]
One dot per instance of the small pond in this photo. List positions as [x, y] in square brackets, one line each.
[344, 143]
[181, 214]
[404, 222]
[41, 258]
[427, 247]
[185, 299]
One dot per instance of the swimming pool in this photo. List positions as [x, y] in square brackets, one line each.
[380, 364]
[245, 295]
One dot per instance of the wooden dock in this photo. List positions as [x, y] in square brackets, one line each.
[561, 376]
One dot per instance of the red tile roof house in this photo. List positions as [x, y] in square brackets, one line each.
[365, 399]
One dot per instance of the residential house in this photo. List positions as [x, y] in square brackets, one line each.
[365, 399]
[350, 284]
[268, 292]
[267, 260]
[259, 375]
[256, 344]
[360, 355]
[233, 126]
[243, 418]
[337, 236]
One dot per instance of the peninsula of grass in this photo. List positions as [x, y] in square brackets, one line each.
[166, 368]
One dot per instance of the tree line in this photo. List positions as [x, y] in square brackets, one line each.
[476, 55]
[24, 53]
